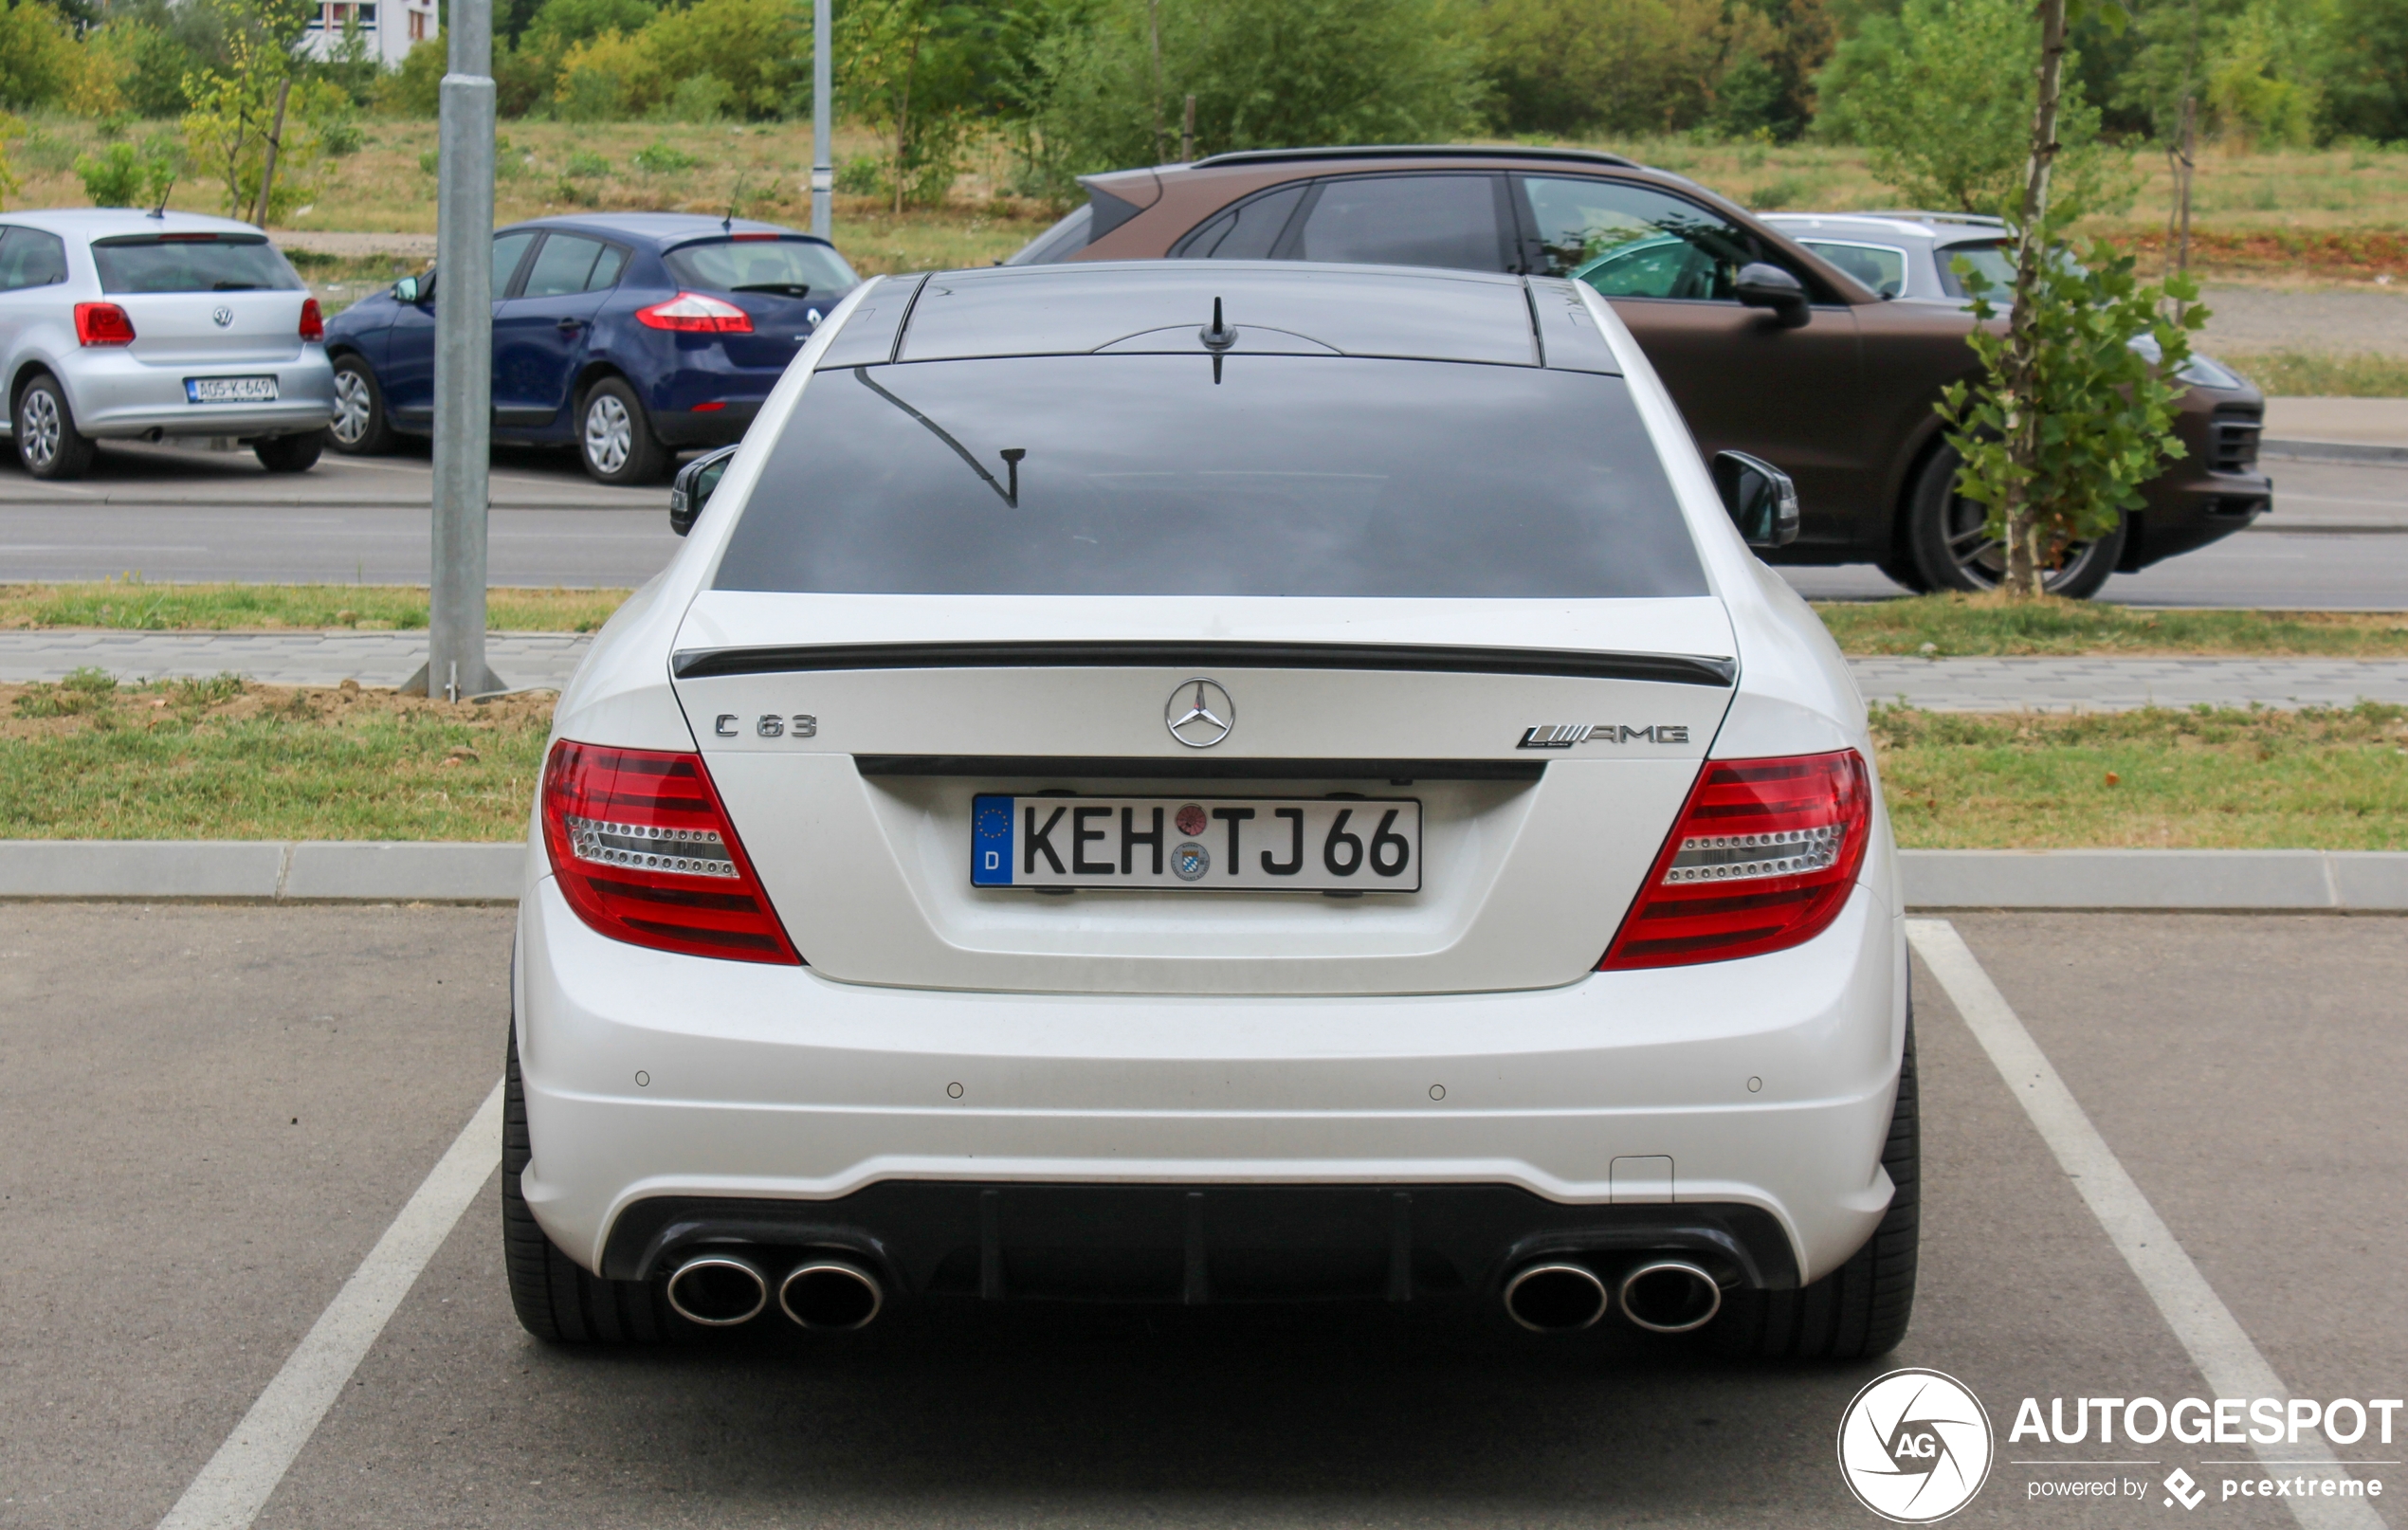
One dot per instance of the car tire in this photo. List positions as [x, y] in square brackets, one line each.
[1862, 1308]
[48, 444]
[290, 454]
[1945, 543]
[614, 436]
[360, 427]
[555, 1300]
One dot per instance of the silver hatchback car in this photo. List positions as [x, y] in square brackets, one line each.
[118, 324]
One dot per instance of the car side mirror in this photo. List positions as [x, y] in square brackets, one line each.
[695, 484]
[1763, 286]
[1761, 500]
[415, 289]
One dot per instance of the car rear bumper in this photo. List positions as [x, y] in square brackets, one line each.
[667, 1091]
[116, 395]
[706, 428]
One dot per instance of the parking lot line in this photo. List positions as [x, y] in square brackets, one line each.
[2218, 1345]
[235, 1485]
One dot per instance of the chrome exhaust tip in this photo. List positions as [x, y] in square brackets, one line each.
[1670, 1296]
[1555, 1297]
[718, 1291]
[831, 1294]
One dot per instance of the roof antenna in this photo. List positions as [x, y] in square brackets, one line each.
[1220, 337]
[160, 211]
[734, 199]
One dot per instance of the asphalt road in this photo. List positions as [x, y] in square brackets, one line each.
[208, 1114]
[183, 513]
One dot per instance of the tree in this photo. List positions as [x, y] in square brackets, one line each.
[255, 118]
[1264, 73]
[39, 60]
[2074, 409]
[1943, 96]
[906, 70]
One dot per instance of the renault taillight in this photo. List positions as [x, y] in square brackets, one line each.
[693, 312]
[1762, 859]
[644, 852]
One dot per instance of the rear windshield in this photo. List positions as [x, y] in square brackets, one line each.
[1992, 258]
[1162, 475]
[169, 263]
[786, 267]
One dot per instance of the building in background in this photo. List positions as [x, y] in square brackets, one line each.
[388, 28]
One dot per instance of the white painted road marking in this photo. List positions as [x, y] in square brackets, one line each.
[2216, 1342]
[235, 1485]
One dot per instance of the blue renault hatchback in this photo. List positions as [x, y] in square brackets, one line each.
[629, 335]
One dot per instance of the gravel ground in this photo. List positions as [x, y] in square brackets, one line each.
[2249, 320]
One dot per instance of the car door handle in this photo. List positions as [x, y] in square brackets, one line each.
[568, 324]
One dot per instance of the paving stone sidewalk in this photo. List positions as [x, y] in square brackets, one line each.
[548, 659]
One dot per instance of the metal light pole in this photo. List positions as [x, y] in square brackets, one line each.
[823, 173]
[463, 362]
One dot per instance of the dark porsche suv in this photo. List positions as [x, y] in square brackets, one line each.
[1767, 347]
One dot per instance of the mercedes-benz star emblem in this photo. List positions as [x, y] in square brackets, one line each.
[222, 316]
[1200, 714]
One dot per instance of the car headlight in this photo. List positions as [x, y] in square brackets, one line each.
[2199, 371]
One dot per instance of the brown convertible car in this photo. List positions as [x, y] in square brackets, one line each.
[1769, 347]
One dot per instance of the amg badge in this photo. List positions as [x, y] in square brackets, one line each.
[1564, 735]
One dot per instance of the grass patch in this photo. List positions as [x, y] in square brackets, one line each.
[223, 759]
[2207, 779]
[135, 606]
[2324, 374]
[1986, 625]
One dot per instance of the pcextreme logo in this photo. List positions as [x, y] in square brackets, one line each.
[1915, 1445]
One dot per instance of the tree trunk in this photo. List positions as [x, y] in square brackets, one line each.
[2025, 575]
[903, 120]
[275, 141]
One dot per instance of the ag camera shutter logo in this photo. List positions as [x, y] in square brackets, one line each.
[1915, 1445]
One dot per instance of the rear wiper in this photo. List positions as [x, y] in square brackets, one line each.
[1011, 455]
[790, 290]
[235, 286]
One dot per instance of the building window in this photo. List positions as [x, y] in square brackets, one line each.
[417, 25]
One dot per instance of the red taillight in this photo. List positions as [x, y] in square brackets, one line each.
[102, 323]
[693, 312]
[644, 852]
[1761, 859]
[313, 322]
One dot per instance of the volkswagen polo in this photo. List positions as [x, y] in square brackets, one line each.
[1215, 784]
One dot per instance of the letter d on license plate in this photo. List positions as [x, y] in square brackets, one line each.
[1175, 844]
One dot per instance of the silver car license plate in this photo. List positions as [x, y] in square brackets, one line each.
[230, 389]
[1297, 844]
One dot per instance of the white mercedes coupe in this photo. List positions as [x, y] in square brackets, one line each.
[1216, 783]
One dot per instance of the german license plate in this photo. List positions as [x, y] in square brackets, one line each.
[230, 389]
[1300, 844]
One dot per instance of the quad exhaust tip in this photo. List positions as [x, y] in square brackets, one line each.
[1556, 1297]
[1670, 1296]
[830, 1294]
[718, 1291]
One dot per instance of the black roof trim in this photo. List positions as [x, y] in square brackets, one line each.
[1416, 150]
[1666, 668]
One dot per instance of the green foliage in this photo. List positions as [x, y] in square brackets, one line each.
[585, 164]
[415, 90]
[661, 158]
[703, 97]
[861, 175]
[122, 176]
[1263, 73]
[1942, 96]
[2059, 459]
[1734, 69]
[39, 59]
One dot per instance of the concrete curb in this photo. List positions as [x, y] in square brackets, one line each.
[2331, 451]
[263, 870]
[436, 872]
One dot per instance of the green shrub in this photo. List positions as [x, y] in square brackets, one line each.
[585, 164]
[124, 177]
[704, 98]
[861, 175]
[415, 90]
[661, 158]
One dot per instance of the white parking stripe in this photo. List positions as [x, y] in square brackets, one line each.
[2218, 1345]
[234, 1486]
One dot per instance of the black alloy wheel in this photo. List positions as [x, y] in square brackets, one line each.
[1950, 547]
